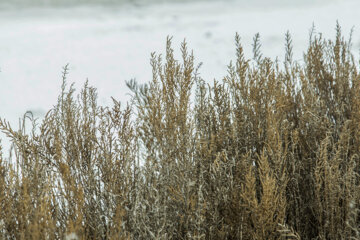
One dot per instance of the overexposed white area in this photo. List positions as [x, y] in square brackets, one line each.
[110, 43]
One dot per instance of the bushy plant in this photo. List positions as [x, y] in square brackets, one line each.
[269, 152]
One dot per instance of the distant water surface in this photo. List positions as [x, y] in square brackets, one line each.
[62, 3]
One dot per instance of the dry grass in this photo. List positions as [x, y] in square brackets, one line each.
[269, 152]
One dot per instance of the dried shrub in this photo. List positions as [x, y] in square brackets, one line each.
[269, 152]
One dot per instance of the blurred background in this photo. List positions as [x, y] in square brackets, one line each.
[110, 41]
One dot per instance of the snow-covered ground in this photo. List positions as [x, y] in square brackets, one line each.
[109, 44]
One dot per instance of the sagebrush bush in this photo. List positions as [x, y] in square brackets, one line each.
[270, 152]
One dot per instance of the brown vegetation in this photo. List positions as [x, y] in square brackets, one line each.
[269, 152]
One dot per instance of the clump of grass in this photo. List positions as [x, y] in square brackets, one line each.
[74, 174]
[269, 152]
